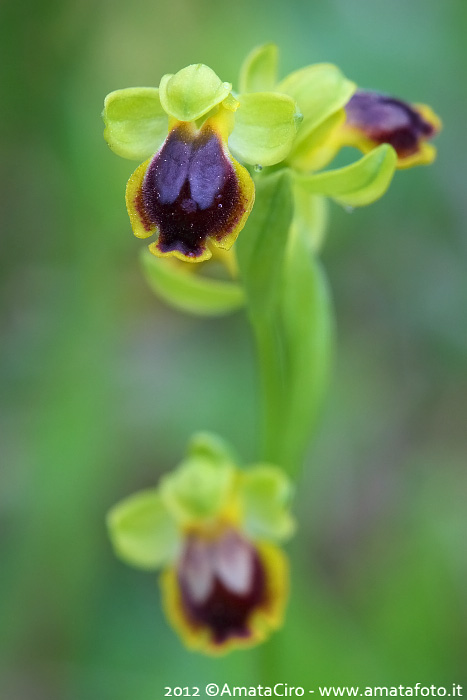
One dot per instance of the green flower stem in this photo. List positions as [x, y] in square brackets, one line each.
[293, 355]
[273, 386]
[307, 330]
[290, 314]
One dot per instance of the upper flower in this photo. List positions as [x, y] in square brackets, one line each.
[190, 191]
[193, 195]
[391, 134]
[210, 526]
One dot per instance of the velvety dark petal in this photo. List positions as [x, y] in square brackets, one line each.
[222, 583]
[384, 119]
[192, 190]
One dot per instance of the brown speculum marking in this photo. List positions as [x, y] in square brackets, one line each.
[190, 191]
[222, 582]
[388, 120]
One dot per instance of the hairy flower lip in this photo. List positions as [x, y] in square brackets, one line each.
[223, 620]
[222, 582]
[190, 191]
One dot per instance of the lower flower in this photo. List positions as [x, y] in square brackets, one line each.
[211, 527]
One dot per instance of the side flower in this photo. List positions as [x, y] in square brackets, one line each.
[213, 529]
[391, 133]
[190, 191]
[373, 118]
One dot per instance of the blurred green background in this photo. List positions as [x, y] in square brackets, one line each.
[102, 384]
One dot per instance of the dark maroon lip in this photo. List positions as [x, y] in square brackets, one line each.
[222, 583]
[190, 191]
[385, 119]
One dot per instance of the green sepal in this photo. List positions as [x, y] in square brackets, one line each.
[182, 287]
[357, 184]
[266, 492]
[265, 127]
[319, 90]
[135, 122]
[261, 247]
[192, 92]
[142, 531]
[199, 488]
[259, 69]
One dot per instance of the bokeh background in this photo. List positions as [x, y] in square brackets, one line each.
[102, 384]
